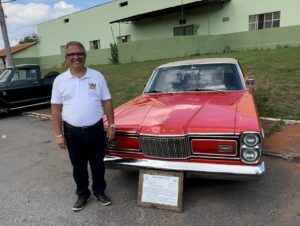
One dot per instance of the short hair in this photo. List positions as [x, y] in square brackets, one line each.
[74, 43]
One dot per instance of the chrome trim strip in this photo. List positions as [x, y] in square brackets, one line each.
[27, 100]
[126, 133]
[127, 151]
[210, 135]
[31, 105]
[195, 168]
[214, 136]
[133, 151]
[216, 157]
[236, 150]
[188, 134]
[218, 134]
[124, 151]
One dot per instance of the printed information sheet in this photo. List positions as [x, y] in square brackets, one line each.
[160, 189]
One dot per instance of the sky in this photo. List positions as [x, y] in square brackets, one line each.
[22, 16]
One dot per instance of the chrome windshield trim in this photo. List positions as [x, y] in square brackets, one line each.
[201, 168]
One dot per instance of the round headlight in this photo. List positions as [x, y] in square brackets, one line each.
[250, 155]
[251, 139]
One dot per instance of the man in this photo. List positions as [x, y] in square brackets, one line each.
[80, 98]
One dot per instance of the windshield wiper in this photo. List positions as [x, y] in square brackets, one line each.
[205, 89]
[154, 91]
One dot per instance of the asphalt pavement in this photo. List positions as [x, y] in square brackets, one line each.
[37, 189]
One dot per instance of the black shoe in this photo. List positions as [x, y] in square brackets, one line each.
[80, 203]
[103, 199]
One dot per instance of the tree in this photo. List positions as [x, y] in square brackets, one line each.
[114, 53]
[29, 38]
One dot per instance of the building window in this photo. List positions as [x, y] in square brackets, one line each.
[62, 49]
[123, 39]
[122, 4]
[184, 30]
[263, 21]
[95, 44]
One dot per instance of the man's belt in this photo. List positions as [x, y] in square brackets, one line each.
[99, 124]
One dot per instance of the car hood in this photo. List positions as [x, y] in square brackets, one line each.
[188, 113]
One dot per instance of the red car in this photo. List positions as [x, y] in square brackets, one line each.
[196, 116]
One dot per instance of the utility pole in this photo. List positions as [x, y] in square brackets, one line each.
[5, 37]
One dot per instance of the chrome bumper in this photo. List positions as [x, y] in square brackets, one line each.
[204, 170]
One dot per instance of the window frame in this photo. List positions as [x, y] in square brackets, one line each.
[95, 44]
[62, 49]
[264, 20]
[123, 39]
[186, 30]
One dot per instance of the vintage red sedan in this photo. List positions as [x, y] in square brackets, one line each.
[196, 116]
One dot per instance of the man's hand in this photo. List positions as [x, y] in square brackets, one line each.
[110, 135]
[60, 141]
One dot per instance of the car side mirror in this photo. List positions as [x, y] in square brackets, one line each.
[250, 82]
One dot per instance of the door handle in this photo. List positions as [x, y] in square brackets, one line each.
[34, 83]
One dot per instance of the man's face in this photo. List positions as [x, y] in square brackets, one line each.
[75, 56]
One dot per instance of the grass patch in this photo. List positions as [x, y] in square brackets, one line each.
[277, 75]
[277, 127]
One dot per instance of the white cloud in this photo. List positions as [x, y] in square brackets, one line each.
[22, 19]
[18, 15]
[62, 8]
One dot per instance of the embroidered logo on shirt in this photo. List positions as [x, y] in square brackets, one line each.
[92, 85]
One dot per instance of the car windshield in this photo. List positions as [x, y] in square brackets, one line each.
[4, 75]
[200, 77]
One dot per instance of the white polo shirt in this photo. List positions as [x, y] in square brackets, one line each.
[80, 97]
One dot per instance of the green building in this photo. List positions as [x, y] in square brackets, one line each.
[156, 29]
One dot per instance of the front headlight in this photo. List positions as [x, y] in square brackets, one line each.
[251, 139]
[251, 147]
[250, 155]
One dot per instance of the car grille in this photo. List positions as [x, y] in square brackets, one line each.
[166, 147]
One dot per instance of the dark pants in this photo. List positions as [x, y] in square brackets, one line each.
[87, 145]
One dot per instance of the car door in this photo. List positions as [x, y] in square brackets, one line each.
[24, 88]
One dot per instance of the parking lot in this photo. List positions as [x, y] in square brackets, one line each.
[37, 189]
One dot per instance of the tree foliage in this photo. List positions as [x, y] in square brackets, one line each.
[114, 53]
[29, 38]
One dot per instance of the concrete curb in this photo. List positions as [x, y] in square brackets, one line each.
[38, 115]
[283, 155]
[286, 121]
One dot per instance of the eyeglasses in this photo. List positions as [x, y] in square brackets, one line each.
[78, 54]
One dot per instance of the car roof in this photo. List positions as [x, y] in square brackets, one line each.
[200, 61]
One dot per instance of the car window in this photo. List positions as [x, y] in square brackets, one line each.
[196, 78]
[31, 74]
[24, 75]
[4, 75]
